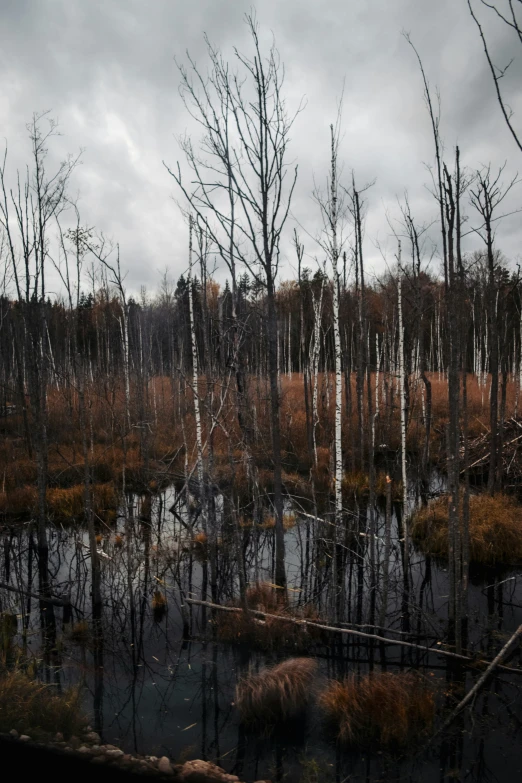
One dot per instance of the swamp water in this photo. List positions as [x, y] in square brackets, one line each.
[159, 682]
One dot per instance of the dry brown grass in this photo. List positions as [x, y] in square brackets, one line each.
[277, 693]
[495, 528]
[270, 633]
[164, 441]
[35, 708]
[18, 502]
[200, 546]
[268, 523]
[64, 505]
[357, 484]
[159, 605]
[390, 709]
[263, 597]
[80, 633]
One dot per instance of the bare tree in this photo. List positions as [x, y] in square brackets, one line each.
[486, 196]
[515, 24]
[240, 191]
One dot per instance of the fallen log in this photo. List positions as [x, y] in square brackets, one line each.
[50, 600]
[352, 632]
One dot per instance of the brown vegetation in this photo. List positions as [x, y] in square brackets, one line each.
[269, 633]
[390, 709]
[108, 459]
[263, 596]
[276, 693]
[33, 707]
[80, 633]
[159, 606]
[495, 529]
[200, 546]
[63, 504]
[357, 484]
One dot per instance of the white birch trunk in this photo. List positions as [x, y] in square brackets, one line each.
[318, 307]
[403, 427]
[195, 374]
[338, 401]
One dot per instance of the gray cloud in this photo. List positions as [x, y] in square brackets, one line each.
[106, 70]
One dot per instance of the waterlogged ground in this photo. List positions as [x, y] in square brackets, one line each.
[153, 688]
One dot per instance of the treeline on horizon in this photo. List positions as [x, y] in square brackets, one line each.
[160, 334]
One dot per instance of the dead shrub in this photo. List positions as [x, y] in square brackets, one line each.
[495, 528]
[390, 709]
[276, 693]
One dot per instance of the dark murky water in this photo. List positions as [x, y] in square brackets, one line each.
[156, 692]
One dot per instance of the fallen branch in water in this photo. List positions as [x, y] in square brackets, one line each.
[44, 599]
[353, 632]
[495, 663]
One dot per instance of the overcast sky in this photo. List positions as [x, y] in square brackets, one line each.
[106, 70]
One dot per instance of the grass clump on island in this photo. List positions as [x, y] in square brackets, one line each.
[36, 708]
[389, 709]
[267, 632]
[63, 504]
[495, 528]
[276, 693]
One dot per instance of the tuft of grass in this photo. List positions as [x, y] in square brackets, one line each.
[159, 606]
[268, 523]
[35, 708]
[390, 709]
[276, 693]
[270, 633]
[18, 502]
[80, 633]
[200, 546]
[262, 596]
[495, 528]
[357, 484]
[64, 504]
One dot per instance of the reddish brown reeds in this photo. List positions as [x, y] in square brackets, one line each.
[269, 632]
[390, 709]
[159, 606]
[276, 693]
[63, 504]
[19, 502]
[200, 546]
[262, 596]
[495, 529]
[31, 706]
[357, 484]
[268, 523]
[80, 633]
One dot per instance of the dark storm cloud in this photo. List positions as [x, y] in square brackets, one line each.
[106, 71]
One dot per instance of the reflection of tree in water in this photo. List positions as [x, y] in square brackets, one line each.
[161, 686]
